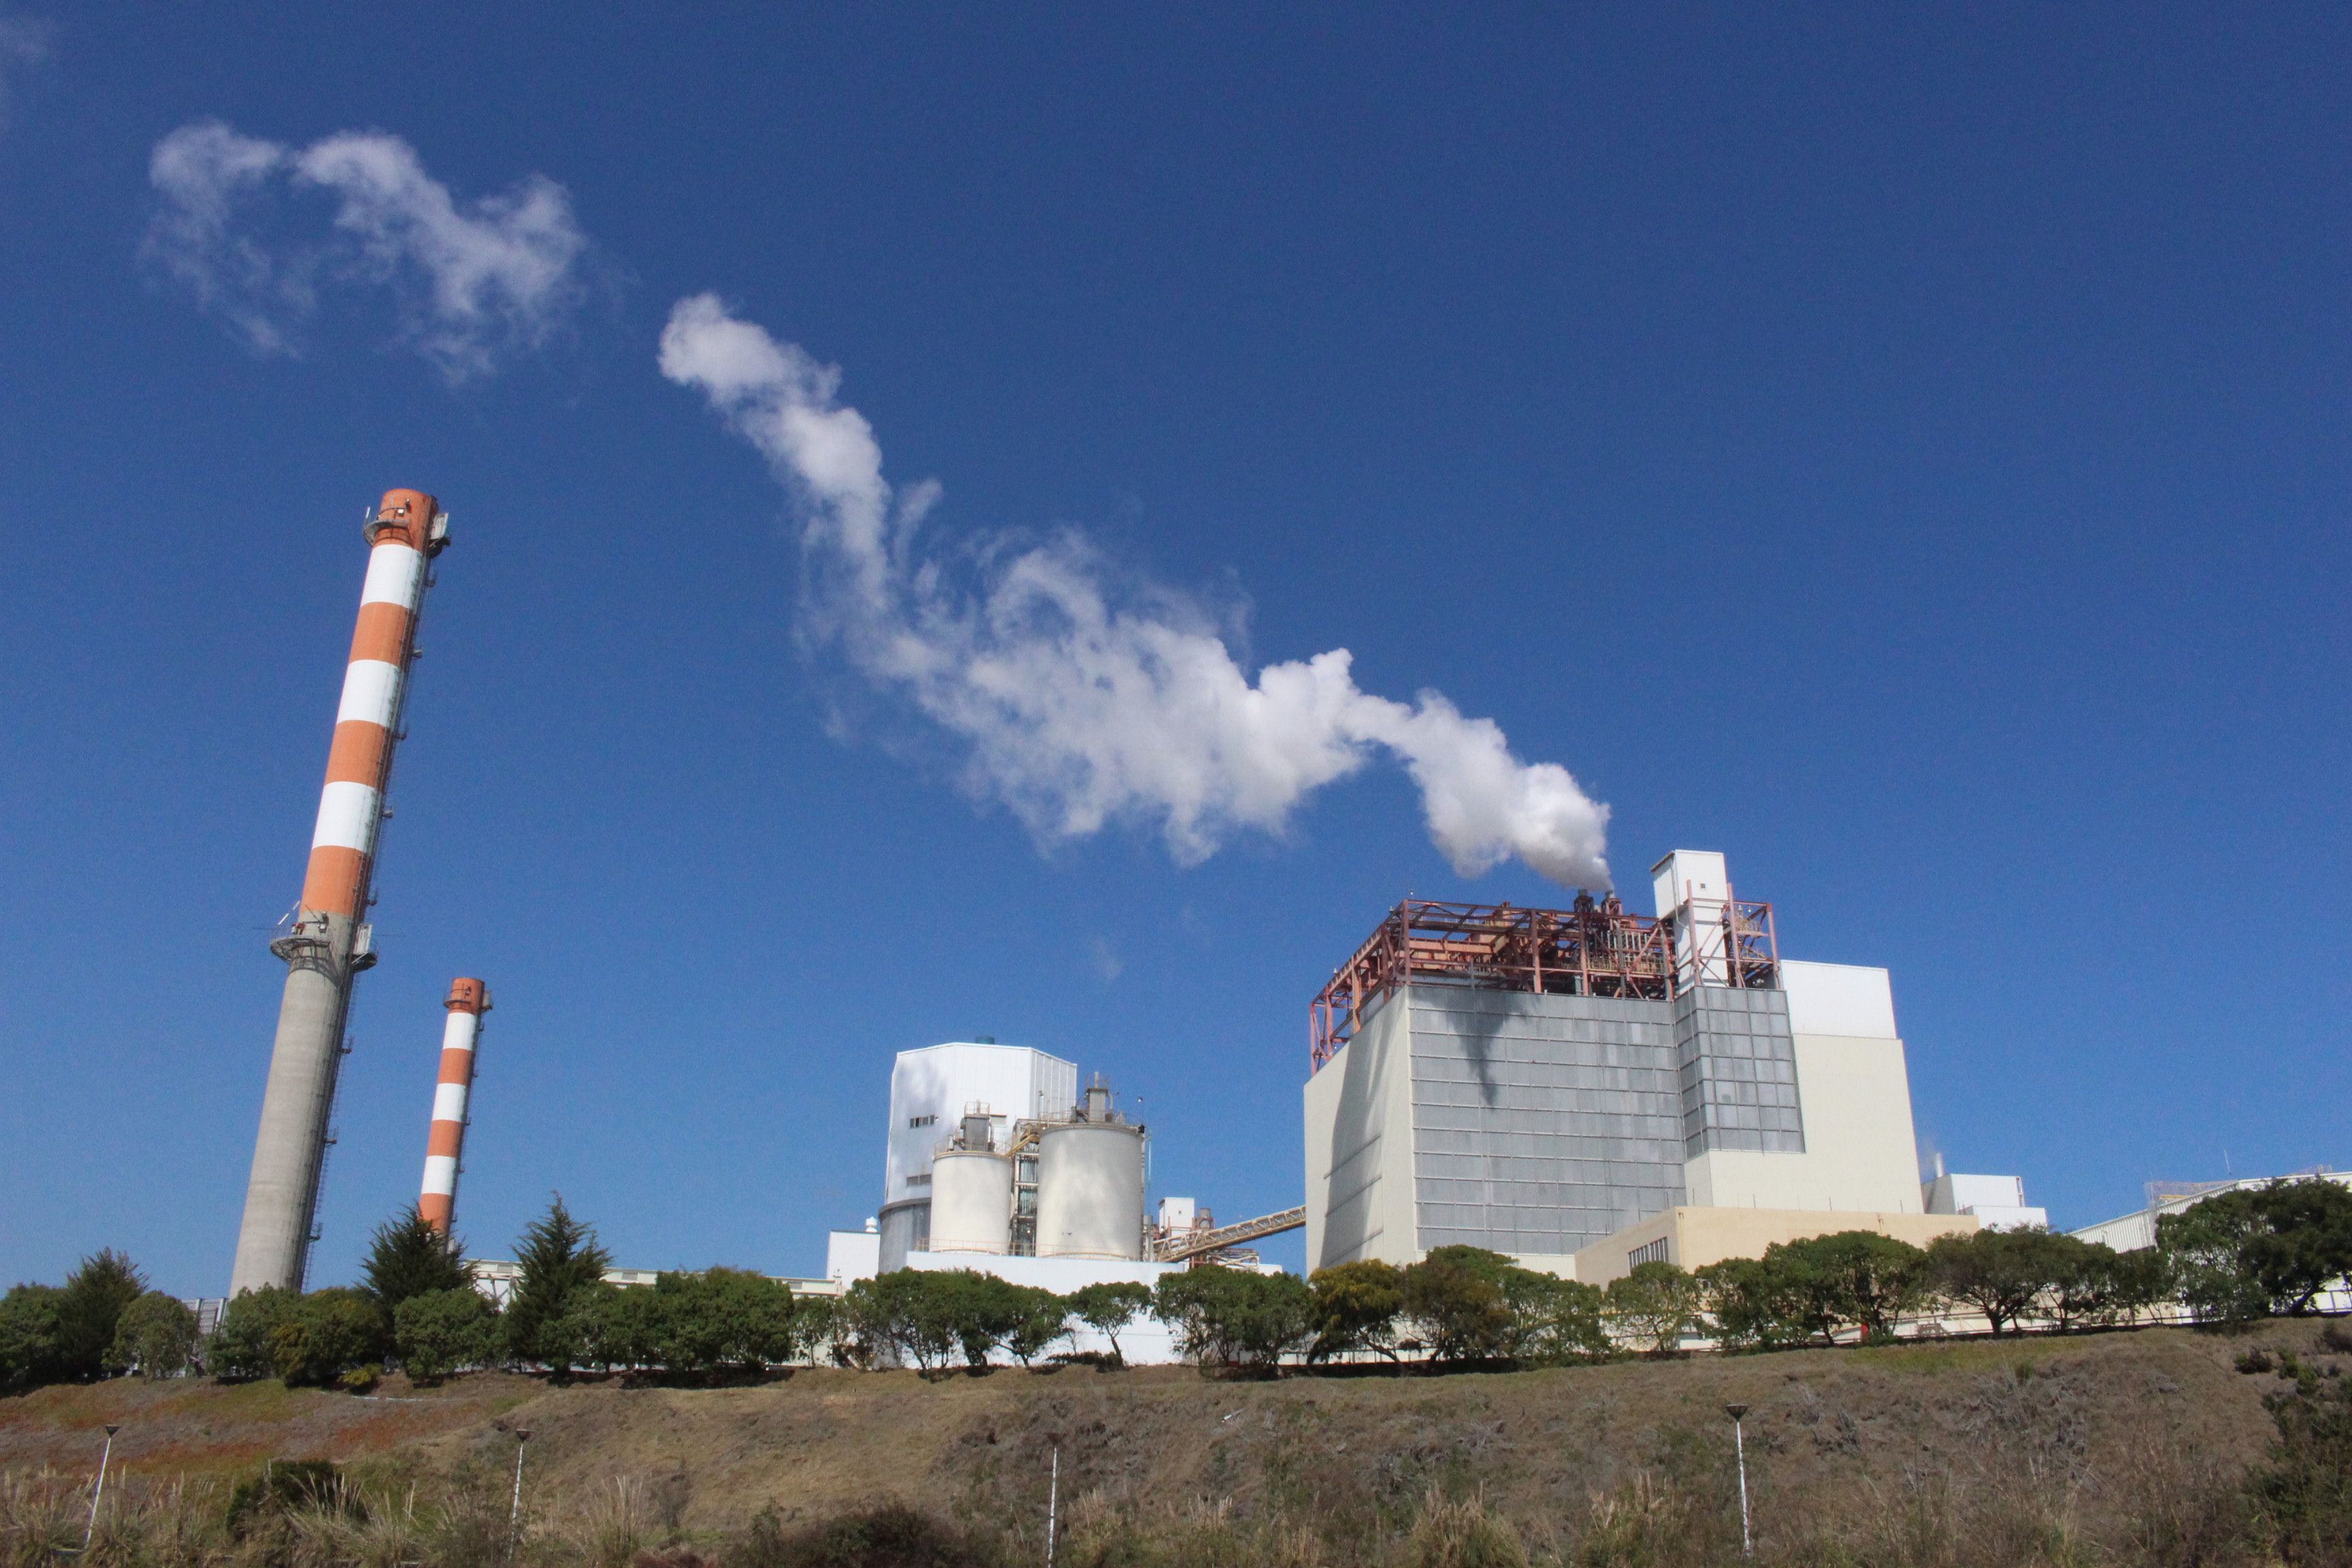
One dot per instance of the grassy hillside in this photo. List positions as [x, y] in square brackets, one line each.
[2121, 1447]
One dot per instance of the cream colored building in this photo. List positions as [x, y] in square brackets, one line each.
[1553, 1126]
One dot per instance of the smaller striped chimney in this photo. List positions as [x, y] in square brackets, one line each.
[468, 1000]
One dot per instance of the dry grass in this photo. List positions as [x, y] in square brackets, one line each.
[2106, 1449]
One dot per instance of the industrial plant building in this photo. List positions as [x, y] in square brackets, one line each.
[1589, 1088]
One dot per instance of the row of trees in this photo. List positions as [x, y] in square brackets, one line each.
[2262, 1251]
[103, 1319]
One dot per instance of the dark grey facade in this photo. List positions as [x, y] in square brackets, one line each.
[1737, 1068]
[1542, 1123]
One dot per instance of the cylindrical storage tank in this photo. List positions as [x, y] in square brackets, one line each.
[1090, 1190]
[971, 1202]
[906, 1227]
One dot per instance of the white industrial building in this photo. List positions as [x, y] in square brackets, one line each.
[1998, 1202]
[1589, 1088]
[932, 1090]
[2138, 1228]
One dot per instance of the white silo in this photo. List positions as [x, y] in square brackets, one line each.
[972, 1201]
[1090, 1183]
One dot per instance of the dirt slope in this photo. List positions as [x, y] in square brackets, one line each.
[2107, 1421]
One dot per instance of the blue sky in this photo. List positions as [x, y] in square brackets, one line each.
[1903, 450]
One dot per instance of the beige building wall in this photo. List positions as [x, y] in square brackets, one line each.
[1855, 1089]
[1359, 1192]
[1696, 1238]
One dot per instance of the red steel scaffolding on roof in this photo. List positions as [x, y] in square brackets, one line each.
[1596, 948]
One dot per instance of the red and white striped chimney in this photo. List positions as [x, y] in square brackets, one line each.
[445, 1145]
[328, 943]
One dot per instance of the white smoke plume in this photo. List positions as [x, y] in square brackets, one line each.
[24, 44]
[475, 283]
[1082, 706]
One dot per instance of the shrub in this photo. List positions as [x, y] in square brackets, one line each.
[155, 1337]
[721, 1319]
[2302, 1494]
[285, 1486]
[240, 1345]
[30, 1317]
[440, 1331]
[326, 1333]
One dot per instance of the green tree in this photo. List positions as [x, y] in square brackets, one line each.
[723, 1320]
[1853, 1278]
[29, 1317]
[326, 1333]
[1235, 1317]
[441, 1331]
[1108, 1306]
[608, 1326]
[155, 1337]
[1754, 1305]
[1040, 1319]
[2269, 1249]
[1655, 1304]
[91, 1309]
[240, 1345]
[2089, 1282]
[1553, 1321]
[408, 1258]
[906, 1315]
[2000, 1273]
[557, 1256]
[1455, 1299]
[1355, 1308]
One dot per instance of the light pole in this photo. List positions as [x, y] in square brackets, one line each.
[514, 1514]
[1053, 1504]
[91, 1527]
[1740, 1446]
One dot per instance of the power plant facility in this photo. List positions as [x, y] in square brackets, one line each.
[1589, 1088]
[1584, 1089]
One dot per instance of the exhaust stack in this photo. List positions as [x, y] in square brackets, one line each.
[328, 944]
[445, 1145]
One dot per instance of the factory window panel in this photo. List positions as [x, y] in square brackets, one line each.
[921, 1120]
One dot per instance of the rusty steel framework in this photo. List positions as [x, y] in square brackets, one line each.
[1594, 948]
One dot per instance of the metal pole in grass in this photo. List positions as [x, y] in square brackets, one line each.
[1740, 1446]
[514, 1514]
[1053, 1504]
[91, 1527]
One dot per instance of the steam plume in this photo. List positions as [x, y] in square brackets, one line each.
[1083, 706]
[476, 283]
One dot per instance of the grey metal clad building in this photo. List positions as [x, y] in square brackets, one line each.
[1534, 1081]
[1541, 1122]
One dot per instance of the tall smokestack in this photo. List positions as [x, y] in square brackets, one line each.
[445, 1145]
[328, 944]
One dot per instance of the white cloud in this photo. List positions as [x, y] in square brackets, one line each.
[476, 282]
[1083, 706]
[24, 43]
